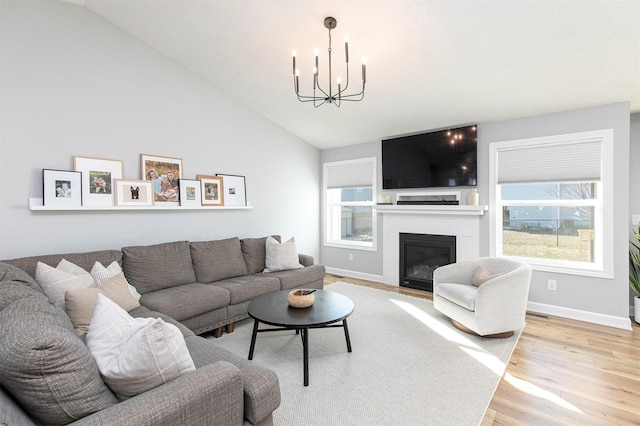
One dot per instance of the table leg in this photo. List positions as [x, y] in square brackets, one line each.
[305, 354]
[253, 339]
[346, 334]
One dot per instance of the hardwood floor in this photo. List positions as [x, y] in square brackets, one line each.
[562, 372]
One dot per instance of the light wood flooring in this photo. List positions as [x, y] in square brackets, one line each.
[562, 372]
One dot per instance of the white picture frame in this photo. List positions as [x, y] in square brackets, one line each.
[190, 192]
[61, 188]
[235, 190]
[98, 175]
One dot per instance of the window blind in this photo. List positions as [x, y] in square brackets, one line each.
[350, 175]
[556, 162]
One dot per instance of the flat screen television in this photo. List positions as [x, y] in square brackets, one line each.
[443, 158]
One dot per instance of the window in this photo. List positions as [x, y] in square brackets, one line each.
[552, 199]
[349, 189]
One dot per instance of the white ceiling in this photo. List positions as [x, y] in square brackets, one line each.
[430, 64]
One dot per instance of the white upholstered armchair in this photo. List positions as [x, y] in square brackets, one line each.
[485, 296]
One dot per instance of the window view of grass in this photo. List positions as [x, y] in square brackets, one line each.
[560, 247]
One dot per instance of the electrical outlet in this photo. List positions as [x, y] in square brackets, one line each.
[350, 256]
[635, 219]
[551, 285]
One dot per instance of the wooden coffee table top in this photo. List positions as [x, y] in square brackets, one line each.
[273, 309]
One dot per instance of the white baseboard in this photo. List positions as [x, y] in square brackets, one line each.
[592, 317]
[354, 274]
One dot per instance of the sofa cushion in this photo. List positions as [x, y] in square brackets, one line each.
[217, 260]
[10, 291]
[80, 304]
[135, 354]
[151, 268]
[56, 281]
[9, 272]
[83, 260]
[186, 301]
[281, 256]
[243, 289]
[461, 294]
[309, 277]
[254, 253]
[101, 274]
[45, 365]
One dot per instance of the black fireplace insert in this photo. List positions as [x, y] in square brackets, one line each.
[420, 255]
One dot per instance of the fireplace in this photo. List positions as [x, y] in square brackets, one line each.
[420, 255]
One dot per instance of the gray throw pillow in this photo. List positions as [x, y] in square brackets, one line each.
[217, 260]
[45, 365]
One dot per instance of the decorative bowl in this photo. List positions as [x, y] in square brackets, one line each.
[301, 298]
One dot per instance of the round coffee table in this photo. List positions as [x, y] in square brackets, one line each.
[273, 309]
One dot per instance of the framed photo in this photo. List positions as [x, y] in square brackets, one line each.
[133, 192]
[212, 190]
[164, 174]
[98, 175]
[61, 188]
[190, 192]
[235, 190]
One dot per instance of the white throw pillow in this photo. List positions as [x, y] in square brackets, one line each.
[280, 257]
[134, 355]
[54, 282]
[101, 274]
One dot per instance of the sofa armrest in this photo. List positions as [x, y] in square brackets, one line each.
[211, 395]
[305, 259]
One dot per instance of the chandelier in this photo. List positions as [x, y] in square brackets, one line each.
[320, 95]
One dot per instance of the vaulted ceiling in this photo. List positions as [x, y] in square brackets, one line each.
[430, 63]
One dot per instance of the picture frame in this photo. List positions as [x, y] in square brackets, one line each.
[98, 175]
[61, 188]
[164, 173]
[190, 192]
[235, 190]
[132, 192]
[212, 188]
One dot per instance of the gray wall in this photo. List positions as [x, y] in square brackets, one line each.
[74, 84]
[604, 297]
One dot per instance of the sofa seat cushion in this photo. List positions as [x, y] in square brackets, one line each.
[46, 366]
[217, 260]
[186, 301]
[243, 289]
[151, 268]
[255, 253]
[461, 294]
[299, 278]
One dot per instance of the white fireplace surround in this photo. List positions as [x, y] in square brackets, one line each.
[463, 222]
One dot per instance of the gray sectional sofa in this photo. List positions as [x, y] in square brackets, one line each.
[48, 376]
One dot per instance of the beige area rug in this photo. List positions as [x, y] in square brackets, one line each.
[409, 366]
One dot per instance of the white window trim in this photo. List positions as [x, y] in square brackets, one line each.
[604, 208]
[354, 245]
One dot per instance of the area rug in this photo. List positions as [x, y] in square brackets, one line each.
[409, 366]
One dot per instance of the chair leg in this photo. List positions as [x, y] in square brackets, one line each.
[467, 330]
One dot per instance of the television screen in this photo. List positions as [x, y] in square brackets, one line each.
[444, 158]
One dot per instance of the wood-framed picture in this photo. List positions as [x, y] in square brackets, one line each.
[235, 190]
[133, 192]
[164, 174]
[61, 188]
[212, 190]
[98, 175]
[190, 193]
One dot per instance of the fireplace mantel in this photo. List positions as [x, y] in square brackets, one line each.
[461, 221]
[446, 209]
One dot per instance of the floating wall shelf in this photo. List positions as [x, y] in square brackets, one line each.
[35, 204]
